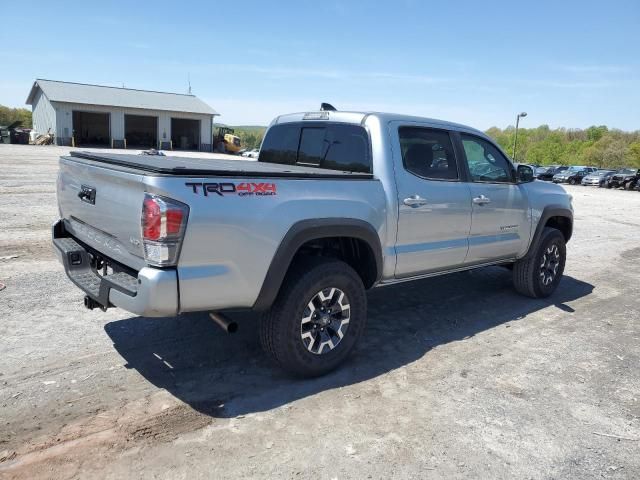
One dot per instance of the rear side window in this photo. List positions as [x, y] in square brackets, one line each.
[428, 153]
[328, 146]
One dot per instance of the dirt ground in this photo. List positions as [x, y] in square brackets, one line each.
[456, 377]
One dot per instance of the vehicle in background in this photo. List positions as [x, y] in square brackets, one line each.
[232, 143]
[573, 175]
[251, 153]
[5, 135]
[337, 203]
[604, 181]
[15, 134]
[597, 178]
[225, 141]
[539, 171]
[626, 178]
[551, 171]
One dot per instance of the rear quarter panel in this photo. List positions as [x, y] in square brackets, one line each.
[231, 239]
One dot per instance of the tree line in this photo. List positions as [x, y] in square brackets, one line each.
[596, 146]
[10, 115]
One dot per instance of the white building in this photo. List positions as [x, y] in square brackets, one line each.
[94, 115]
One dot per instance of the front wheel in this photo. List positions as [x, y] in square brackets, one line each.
[572, 181]
[538, 274]
[317, 318]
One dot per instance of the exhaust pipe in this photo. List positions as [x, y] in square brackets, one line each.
[223, 322]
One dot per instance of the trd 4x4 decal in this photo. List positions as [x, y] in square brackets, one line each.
[242, 189]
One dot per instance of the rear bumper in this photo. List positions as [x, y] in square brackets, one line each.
[151, 292]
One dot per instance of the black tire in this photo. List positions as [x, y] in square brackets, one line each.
[628, 186]
[572, 181]
[607, 185]
[530, 278]
[281, 326]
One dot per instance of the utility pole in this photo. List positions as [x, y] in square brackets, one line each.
[515, 140]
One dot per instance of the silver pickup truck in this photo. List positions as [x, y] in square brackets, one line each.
[337, 203]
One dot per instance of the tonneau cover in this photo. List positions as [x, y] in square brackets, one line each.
[198, 167]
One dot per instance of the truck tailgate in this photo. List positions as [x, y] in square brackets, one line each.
[102, 208]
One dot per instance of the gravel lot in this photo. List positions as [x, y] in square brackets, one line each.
[457, 377]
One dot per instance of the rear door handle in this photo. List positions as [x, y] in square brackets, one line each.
[481, 200]
[415, 201]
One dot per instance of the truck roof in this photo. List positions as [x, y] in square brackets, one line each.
[360, 117]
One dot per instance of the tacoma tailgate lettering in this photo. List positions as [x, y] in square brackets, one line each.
[242, 189]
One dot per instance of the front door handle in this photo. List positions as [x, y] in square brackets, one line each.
[415, 201]
[481, 200]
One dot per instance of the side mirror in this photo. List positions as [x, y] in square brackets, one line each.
[524, 174]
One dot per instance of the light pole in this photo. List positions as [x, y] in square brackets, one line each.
[515, 140]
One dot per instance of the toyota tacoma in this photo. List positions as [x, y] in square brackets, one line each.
[337, 203]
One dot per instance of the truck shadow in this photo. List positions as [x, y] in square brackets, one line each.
[228, 375]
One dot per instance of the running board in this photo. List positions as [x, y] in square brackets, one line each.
[393, 281]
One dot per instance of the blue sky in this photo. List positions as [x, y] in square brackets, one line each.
[567, 63]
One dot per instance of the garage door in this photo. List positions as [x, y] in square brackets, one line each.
[91, 129]
[185, 134]
[141, 131]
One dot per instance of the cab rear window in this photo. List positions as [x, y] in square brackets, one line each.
[328, 146]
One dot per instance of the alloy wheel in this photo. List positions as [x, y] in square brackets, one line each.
[325, 321]
[549, 264]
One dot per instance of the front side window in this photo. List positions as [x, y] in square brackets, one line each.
[486, 163]
[428, 153]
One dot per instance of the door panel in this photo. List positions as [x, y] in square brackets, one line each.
[498, 227]
[434, 214]
[500, 222]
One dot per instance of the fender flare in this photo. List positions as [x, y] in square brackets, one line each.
[304, 231]
[548, 212]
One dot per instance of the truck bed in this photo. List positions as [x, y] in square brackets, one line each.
[203, 167]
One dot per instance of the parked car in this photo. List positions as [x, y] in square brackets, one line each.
[625, 177]
[551, 171]
[572, 175]
[251, 153]
[540, 171]
[597, 178]
[337, 203]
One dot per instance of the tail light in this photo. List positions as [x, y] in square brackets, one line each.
[163, 224]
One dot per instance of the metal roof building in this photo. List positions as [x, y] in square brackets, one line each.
[95, 115]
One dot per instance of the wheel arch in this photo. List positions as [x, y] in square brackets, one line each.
[554, 216]
[318, 232]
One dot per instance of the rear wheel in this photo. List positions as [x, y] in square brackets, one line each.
[572, 181]
[317, 318]
[538, 274]
[628, 186]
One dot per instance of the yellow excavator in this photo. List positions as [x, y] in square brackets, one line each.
[231, 142]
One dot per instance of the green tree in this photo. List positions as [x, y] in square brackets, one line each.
[596, 146]
[633, 154]
[10, 115]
